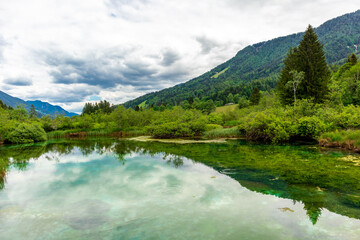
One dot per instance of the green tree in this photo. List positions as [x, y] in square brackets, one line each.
[352, 59]
[32, 112]
[308, 57]
[19, 113]
[255, 97]
[243, 102]
[2, 105]
[230, 98]
[185, 104]
[209, 106]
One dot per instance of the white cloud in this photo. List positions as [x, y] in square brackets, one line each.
[120, 49]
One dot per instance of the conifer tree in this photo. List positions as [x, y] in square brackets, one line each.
[308, 57]
[32, 112]
[255, 97]
[352, 59]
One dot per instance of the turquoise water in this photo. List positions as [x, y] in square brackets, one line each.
[108, 189]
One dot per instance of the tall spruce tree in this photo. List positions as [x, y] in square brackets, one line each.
[32, 112]
[352, 59]
[255, 97]
[308, 57]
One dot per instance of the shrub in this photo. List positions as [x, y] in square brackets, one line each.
[26, 133]
[170, 130]
[309, 127]
[267, 127]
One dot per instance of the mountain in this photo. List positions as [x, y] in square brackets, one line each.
[46, 108]
[259, 64]
[11, 101]
[42, 108]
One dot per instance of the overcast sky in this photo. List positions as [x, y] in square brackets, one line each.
[67, 52]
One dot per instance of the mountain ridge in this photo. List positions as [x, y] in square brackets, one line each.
[42, 108]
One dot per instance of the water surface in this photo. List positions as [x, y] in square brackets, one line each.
[111, 189]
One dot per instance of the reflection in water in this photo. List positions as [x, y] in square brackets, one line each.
[318, 180]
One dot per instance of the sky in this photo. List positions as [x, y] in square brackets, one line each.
[70, 52]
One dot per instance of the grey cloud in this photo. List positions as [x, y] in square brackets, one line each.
[75, 94]
[207, 44]
[111, 68]
[18, 81]
[169, 57]
[174, 75]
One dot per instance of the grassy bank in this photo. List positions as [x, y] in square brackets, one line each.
[222, 133]
[94, 133]
[345, 139]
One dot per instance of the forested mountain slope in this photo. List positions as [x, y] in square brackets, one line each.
[259, 64]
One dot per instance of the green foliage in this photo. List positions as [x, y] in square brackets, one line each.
[19, 113]
[309, 127]
[255, 97]
[210, 127]
[102, 106]
[345, 85]
[352, 59]
[222, 133]
[26, 133]
[243, 102]
[342, 137]
[178, 123]
[32, 112]
[309, 58]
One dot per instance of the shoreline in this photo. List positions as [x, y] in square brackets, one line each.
[347, 145]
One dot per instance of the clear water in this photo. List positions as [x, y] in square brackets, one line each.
[108, 189]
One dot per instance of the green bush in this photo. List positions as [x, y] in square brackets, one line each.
[267, 127]
[26, 133]
[170, 130]
[309, 127]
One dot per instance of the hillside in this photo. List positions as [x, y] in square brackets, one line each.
[10, 100]
[47, 109]
[259, 64]
[42, 108]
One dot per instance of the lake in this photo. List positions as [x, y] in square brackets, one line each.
[119, 189]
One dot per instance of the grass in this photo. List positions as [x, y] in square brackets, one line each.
[219, 73]
[143, 104]
[222, 133]
[61, 133]
[95, 132]
[343, 136]
[226, 108]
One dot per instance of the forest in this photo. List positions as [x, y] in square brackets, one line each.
[308, 101]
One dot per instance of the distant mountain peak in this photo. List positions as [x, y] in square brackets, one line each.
[43, 108]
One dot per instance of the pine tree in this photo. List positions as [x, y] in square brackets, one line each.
[255, 97]
[308, 57]
[352, 59]
[2, 105]
[32, 112]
